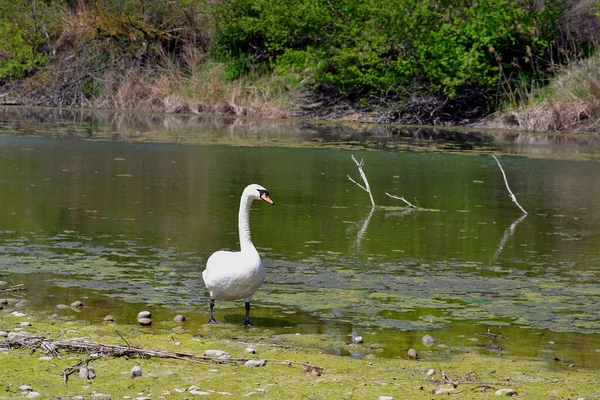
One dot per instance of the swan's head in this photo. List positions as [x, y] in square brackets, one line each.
[257, 192]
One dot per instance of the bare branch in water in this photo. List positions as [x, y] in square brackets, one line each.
[512, 196]
[366, 187]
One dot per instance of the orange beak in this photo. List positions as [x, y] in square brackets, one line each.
[266, 198]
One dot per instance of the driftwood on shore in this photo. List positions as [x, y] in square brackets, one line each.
[95, 350]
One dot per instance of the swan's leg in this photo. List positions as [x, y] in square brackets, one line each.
[247, 319]
[211, 319]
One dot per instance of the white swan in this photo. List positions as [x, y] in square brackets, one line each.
[234, 275]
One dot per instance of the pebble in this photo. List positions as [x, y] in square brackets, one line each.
[358, 339]
[87, 373]
[428, 340]
[255, 363]
[179, 318]
[444, 390]
[45, 358]
[109, 318]
[385, 398]
[77, 303]
[25, 388]
[32, 395]
[18, 314]
[11, 301]
[144, 321]
[214, 353]
[3, 334]
[25, 324]
[23, 303]
[136, 371]
[250, 350]
[505, 392]
[3, 301]
[412, 354]
[199, 392]
[3, 283]
[144, 314]
[143, 398]
[17, 336]
[431, 372]
[62, 306]
[100, 396]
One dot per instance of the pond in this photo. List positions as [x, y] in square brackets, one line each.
[122, 210]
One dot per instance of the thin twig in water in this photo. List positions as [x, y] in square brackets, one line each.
[366, 188]
[512, 196]
[401, 198]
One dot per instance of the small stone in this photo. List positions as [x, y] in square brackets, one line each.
[12, 301]
[444, 390]
[358, 339]
[250, 350]
[87, 373]
[18, 314]
[199, 392]
[214, 353]
[3, 334]
[144, 321]
[25, 388]
[144, 314]
[428, 340]
[109, 318]
[494, 347]
[77, 303]
[193, 387]
[23, 303]
[3, 283]
[62, 307]
[25, 324]
[412, 354]
[180, 390]
[45, 358]
[136, 371]
[180, 318]
[101, 396]
[505, 392]
[17, 336]
[143, 398]
[32, 395]
[385, 398]
[255, 363]
[431, 372]
[3, 301]
[223, 358]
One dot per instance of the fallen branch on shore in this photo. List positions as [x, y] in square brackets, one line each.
[95, 350]
[15, 288]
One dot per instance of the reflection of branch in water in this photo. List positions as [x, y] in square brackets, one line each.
[362, 230]
[507, 234]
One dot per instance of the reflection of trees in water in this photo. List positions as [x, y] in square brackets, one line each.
[137, 126]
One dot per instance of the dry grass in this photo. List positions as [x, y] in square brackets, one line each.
[571, 103]
[197, 85]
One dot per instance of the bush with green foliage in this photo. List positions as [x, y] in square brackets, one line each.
[377, 46]
[25, 26]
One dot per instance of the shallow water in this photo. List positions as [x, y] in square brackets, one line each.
[122, 210]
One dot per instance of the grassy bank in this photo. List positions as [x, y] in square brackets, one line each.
[284, 376]
[432, 63]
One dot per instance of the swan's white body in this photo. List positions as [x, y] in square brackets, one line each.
[235, 275]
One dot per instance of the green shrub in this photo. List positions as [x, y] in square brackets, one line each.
[376, 46]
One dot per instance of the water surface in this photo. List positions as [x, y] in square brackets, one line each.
[123, 210]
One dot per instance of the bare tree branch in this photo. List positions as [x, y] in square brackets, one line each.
[512, 196]
[401, 198]
[366, 188]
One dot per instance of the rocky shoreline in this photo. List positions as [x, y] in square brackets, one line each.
[63, 357]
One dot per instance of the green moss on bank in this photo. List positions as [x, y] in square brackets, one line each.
[343, 377]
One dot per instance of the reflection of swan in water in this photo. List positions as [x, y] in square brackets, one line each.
[234, 275]
[507, 234]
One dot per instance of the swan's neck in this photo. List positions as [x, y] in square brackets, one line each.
[244, 224]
